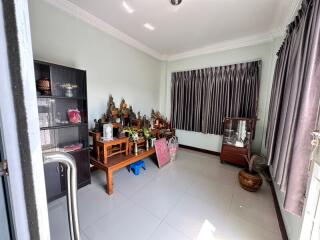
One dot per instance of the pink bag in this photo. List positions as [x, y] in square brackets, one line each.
[74, 116]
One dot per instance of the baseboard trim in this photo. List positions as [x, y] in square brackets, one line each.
[278, 211]
[200, 150]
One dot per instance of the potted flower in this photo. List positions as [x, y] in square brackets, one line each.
[249, 178]
[134, 136]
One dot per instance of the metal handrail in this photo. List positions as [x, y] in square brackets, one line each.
[69, 162]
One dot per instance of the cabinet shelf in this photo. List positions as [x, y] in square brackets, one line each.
[62, 97]
[71, 151]
[65, 126]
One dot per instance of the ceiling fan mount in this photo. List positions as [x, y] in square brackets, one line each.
[175, 2]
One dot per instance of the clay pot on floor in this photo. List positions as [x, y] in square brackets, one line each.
[250, 181]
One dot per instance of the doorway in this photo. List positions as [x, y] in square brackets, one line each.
[6, 231]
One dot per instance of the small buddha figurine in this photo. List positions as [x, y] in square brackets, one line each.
[145, 122]
[132, 115]
[95, 125]
[111, 104]
[153, 114]
[123, 106]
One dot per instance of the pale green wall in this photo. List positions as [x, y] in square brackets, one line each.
[245, 54]
[112, 66]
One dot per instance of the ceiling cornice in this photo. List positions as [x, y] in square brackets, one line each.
[87, 17]
[294, 7]
[96, 22]
[229, 45]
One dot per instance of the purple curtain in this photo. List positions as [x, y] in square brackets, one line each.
[201, 99]
[294, 105]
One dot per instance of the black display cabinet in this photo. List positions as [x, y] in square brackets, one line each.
[63, 117]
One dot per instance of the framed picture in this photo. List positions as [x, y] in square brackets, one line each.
[162, 151]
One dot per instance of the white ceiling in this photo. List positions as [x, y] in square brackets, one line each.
[195, 24]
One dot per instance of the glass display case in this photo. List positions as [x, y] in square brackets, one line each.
[237, 135]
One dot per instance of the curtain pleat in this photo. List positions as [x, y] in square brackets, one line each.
[294, 105]
[202, 98]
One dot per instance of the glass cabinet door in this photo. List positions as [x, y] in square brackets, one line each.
[68, 82]
[54, 112]
[236, 132]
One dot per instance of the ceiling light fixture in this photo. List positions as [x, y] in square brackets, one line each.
[175, 2]
[149, 26]
[127, 7]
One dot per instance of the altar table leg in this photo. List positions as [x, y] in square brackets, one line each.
[109, 182]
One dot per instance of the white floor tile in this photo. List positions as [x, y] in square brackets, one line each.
[94, 202]
[240, 229]
[166, 232]
[159, 196]
[193, 216]
[253, 207]
[194, 197]
[128, 221]
[58, 218]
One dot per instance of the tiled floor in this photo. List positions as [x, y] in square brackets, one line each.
[194, 197]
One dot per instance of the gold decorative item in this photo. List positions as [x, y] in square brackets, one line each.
[135, 148]
[68, 89]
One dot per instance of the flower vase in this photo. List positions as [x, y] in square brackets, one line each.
[147, 144]
[135, 148]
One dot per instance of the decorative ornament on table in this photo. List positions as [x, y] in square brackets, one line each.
[145, 122]
[43, 86]
[152, 141]
[74, 116]
[124, 110]
[98, 126]
[112, 112]
[107, 132]
[68, 89]
[173, 146]
[132, 116]
[112, 107]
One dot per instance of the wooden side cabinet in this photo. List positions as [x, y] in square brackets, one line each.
[237, 137]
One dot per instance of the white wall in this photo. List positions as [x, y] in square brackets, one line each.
[245, 54]
[112, 66]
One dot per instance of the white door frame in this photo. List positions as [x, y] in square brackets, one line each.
[19, 123]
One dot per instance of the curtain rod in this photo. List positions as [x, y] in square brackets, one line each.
[200, 68]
